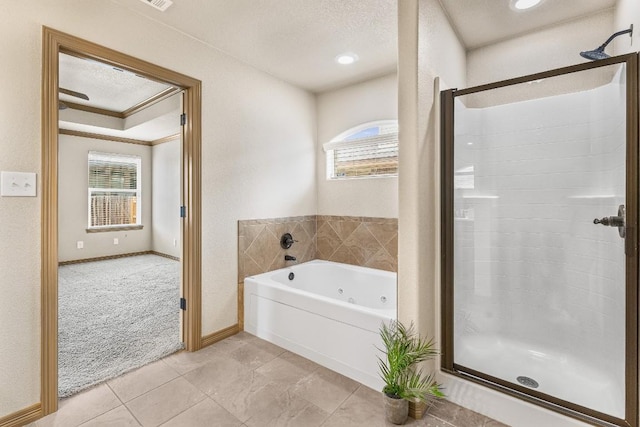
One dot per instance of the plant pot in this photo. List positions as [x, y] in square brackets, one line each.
[417, 409]
[396, 409]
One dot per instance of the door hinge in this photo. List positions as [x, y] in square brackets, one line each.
[183, 119]
[183, 304]
[183, 211]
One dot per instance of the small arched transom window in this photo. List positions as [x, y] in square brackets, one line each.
[367, 150]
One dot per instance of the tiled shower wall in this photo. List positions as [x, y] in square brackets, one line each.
[530, 263]
[364, 241]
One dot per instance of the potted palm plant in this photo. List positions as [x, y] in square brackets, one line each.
[404, 381]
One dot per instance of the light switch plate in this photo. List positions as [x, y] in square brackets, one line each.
[17, 184]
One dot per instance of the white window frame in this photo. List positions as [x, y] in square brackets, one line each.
[342, 141]
[122, 158]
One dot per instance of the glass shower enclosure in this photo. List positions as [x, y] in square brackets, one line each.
[539, 238]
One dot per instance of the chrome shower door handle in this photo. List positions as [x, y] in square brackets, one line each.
[615, 221]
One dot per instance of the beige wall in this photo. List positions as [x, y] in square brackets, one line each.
[425, 33]
[165, 194]
[550, 48]
[160, 200]
[20, 219]
[73, 198]
[627, 12]
[259, 149]
[258, 161]
[338, 111]
[429, 49]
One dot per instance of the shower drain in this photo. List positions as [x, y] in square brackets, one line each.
[528, 382]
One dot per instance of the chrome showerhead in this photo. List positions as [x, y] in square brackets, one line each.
[598, 53]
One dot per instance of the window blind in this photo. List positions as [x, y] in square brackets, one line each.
[366, 156]
[114, 191]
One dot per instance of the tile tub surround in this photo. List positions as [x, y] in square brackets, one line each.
[240, 381]
[362, 241]
[259, 248]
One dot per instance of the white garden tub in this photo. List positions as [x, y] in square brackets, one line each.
[325, 311]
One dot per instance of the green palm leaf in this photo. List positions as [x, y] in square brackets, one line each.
[402, 350]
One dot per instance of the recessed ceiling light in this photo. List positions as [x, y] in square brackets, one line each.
[346, 58]
[525, 4]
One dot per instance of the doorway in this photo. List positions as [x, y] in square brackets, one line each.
[54, 43]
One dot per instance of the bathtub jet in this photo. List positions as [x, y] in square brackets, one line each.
[331, 314]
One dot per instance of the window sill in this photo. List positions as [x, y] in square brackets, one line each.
[114, 228]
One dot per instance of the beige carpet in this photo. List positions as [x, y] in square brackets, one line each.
[115, 316]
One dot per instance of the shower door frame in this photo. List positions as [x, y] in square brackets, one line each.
[631, 250]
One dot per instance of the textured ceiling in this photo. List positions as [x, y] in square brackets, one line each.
[294, 40]
[297, 40]
[482, 22]
[114, 90]
[107, 87]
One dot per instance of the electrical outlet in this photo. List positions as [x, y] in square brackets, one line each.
[80, 244]
[115, 241]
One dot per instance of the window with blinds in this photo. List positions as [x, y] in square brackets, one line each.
[114, 190]
[367, 150]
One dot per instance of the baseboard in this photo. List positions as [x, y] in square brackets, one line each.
[218, 336]
[104, 258]
[175, 258]
[108, 257]
[22, 417]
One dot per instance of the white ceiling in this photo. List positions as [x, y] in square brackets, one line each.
[107, 87]
[294, 40]
[482, 22]
[298, 40]
[114, 90]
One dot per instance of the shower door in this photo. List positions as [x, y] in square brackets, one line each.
[539, 238]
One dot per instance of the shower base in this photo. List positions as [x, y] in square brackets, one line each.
[559, 375]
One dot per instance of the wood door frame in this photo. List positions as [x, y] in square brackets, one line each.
[54, 42]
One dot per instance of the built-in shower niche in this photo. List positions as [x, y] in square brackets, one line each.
[538, 290]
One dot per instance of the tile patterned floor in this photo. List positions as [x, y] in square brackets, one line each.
[240, 381]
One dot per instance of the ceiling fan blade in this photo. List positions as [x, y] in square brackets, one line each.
[73, 93]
